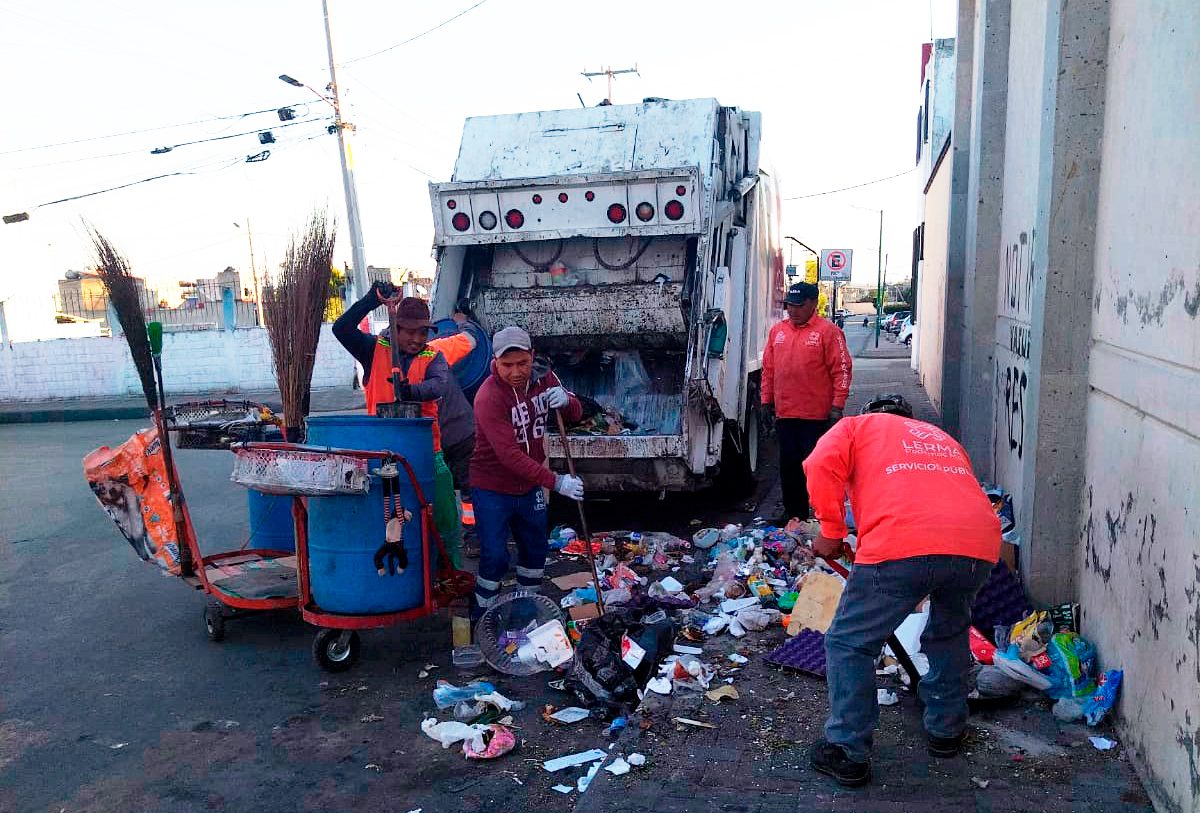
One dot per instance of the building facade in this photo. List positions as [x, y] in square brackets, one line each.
[1070, 341]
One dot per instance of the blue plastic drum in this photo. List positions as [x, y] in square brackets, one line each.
[344, 532]
[271, 525]
[472, 370]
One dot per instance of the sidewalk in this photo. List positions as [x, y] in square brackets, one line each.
[133, 407]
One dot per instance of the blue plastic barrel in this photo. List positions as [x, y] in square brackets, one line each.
[271, 525]
[344, 532]
[471, 371]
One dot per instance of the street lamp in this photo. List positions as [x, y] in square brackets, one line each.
[347, 158]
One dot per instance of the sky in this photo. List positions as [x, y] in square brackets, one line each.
[836, 82]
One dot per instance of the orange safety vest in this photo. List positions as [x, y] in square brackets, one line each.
[379, 389]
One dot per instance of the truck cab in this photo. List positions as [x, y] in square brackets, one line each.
[639, 246]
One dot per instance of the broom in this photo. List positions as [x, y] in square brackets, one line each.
[123, 294]
[294, 302]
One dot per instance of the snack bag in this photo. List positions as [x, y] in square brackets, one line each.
[1073, 666]
[1100, 703]
[130, 483]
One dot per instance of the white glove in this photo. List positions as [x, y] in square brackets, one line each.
[568, 486]
[557, 398]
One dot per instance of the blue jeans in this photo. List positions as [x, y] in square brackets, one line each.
[496, 515]
[876, 600]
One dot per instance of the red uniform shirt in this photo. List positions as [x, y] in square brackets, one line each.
[806, 370]
[911, 487]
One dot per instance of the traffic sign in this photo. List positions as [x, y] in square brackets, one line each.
[836, 264]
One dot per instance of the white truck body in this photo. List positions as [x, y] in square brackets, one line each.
[633, 232]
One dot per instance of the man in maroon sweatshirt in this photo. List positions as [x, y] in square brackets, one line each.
[508, 470]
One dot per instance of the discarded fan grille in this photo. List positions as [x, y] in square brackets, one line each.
[287, 471]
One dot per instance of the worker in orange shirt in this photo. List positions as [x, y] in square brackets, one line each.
[427, 378]
[805, 380]
[925, 529]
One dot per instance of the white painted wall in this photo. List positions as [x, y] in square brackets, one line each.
[207, 361]
[1140, 547]
[931, 285]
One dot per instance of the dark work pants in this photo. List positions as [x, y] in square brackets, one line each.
[797, 438]
[876, 600]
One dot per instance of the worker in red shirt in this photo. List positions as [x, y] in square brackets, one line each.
[805, 380]
[925, 529]
[509, 475]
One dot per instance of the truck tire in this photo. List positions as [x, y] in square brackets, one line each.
[739, 452]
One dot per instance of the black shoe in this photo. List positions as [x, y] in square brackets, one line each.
[945, 747]
[831, 760]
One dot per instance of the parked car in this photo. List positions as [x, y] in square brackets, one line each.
[906, 331]
[892, 323]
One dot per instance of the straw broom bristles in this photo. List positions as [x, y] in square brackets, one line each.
[123, 294]
[293, 306]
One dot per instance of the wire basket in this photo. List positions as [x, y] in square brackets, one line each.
[218, 424]
[291, 471]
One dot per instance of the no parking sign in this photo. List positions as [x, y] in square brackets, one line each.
[836, 264]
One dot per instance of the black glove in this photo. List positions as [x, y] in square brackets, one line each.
[767, 418]
[383, 289]
[404, 392]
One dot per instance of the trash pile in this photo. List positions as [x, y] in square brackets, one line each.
[1045, 651]
[661, 630]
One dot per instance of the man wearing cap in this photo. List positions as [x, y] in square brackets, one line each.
[805, 380]
[425, 368]
[942, 547]
[509, 474]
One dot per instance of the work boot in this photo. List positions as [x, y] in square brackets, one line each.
[945, 747]
[832, 760]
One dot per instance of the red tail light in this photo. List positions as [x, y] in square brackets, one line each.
[673, 210]
[452, 204]
[487, 220]
[514, 218]
[681, 190]
[616, 213]
[644, 211]
[461, 221]
[562, 197]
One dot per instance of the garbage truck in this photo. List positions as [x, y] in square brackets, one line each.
[639, 246]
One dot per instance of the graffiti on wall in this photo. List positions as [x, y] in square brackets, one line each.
[1013, 353]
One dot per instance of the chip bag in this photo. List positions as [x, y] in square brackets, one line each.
[1073, 666]
[130, 483]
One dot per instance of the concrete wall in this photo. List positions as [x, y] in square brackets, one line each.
[1140, 543]
[209, 361]
[984, 203]
[931, 284]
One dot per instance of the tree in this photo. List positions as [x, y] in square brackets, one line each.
[334, 304]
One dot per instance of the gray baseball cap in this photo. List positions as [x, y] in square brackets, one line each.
[510, 338]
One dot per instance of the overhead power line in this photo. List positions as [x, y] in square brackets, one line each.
[848, 188]
[220, 165]
[415, 37]
[144, 130]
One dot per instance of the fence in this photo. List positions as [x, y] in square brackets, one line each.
[202, 308]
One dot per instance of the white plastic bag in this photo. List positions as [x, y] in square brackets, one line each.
[451, 732]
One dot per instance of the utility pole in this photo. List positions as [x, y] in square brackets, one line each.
[254, 273]
[352, 222]
[879, 280]
[610, 73]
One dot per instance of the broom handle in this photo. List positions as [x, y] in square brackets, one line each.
[583, 523]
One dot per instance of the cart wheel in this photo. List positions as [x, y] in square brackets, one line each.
[335, 650]
[214, 620]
